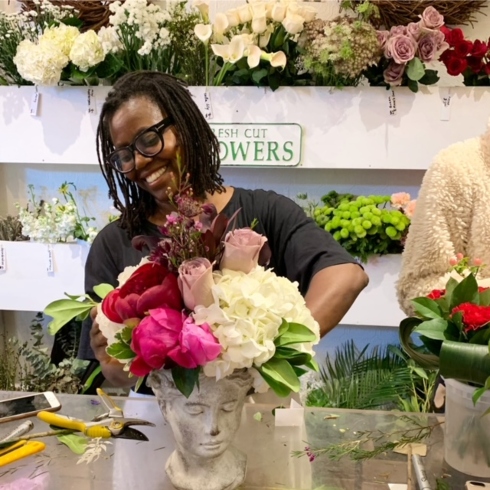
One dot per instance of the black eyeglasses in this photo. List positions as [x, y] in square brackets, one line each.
[149, 143]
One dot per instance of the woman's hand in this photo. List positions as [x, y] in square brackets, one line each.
[112, 369]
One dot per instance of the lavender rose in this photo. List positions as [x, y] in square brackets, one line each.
[393, 75]
[382, 38]
[398, 30]
[414, 29]
[431, 18]
[401, 48]
[242, 250]
[195, 282]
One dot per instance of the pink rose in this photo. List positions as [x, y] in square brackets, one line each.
[410, 208]
[197, 345]
[440, 39]
[414, 29]
[393, 75]
[243, 249]
[154, 338]
[398, 31]
[382, 38]
[427, 47]
[195, 282]
[401, 48]
[431, 18]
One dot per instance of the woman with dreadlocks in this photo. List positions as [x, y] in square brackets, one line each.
[148, 124]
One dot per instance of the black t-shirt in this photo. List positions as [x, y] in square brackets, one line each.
[300, 248]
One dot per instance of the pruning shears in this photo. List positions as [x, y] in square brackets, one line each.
[19, 450]
[110, 424]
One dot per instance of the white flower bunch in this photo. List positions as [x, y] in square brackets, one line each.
[246, 31]
[135, 20]
[42, 63]
[245, 317]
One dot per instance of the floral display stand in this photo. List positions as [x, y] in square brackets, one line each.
[352, 128]
[34, 274]
[377, 305]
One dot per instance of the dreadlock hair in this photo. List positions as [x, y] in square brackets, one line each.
[199, 143]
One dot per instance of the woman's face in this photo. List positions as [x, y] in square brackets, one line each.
[153, 174]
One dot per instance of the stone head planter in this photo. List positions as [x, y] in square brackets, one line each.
[204, 426]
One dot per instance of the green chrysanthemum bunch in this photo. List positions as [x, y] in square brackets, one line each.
[337, 52]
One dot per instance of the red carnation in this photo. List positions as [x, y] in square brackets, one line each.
[456, 66]
[463, 48]
[479, 49]
[436, 293]
[474, 316]
[481, 289]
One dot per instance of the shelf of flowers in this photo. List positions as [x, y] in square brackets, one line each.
[313, 127]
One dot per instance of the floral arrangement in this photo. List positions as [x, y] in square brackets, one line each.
[256, 43]
[454, 325]
[202, 301]
[365, 225]
[407, 50]
[52, 222]
[468, 58]
[337, 52]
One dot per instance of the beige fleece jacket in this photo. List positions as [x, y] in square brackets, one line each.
[452, 215]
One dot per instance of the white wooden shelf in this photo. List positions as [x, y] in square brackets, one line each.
[350, 128]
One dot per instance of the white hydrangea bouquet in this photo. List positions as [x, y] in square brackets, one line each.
[256, 43]
[55, 221]
[203, 302]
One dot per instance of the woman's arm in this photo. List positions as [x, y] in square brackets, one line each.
[332, 292]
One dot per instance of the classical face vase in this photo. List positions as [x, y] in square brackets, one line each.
[204, 426]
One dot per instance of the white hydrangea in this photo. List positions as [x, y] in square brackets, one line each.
[61, 36]
[87, 51]
[109, 39]
[41, 64]
[246, 315]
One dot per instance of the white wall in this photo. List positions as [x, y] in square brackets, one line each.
[14, 179]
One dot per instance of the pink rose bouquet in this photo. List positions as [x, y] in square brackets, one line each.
[407, 49]
[203, 301]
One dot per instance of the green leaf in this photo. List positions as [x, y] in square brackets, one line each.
[139, 383]
[485, 298]
[313, 365]
[63, 311]
[429, 78]
[407, 326]
[278, 388]
[283, 328]
[413, 86]
[477, 394]
[433, 329]
[124, 335]
[415, 69]
[299, 371]
[102, 290]
[73, 21]
[120, 351]
[465, 292]
[427, 308]
[185, 379]
[281, 372]
[259, 75]
[420, 372]
[296, 334]
[292, 355]
[75, 442]
[481, 337]
[109, 67]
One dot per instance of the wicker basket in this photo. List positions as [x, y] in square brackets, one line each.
[402, 12]
[94, 13]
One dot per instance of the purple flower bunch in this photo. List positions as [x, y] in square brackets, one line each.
[406, 49]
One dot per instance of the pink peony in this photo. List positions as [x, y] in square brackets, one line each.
[431, 18]
[154, 338]
[393, 75]
[401, 48]
[195, 282]
[409, 209]
[197, 345]
[243, 250]
[382, 37]
[414, 29]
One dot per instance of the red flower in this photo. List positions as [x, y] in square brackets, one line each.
[446, 56]
[463, 48]
[150, 286]
[487, 68]
[475, 63]
[436, 293]
[479, 49]
[453, 36]
[474, 316]
[456, 66]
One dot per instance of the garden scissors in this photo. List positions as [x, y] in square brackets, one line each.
[110, 424]
[19, 450]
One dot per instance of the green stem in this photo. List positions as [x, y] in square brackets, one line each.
[207, 64]
[222, 73]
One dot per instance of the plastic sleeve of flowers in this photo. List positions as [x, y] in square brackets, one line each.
[407, 326]
[465, 362]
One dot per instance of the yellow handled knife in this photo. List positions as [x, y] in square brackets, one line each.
[20, 450]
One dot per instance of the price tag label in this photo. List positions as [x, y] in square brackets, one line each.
[208, 107]
[3, 258]
[91, 101]
[446, 104]
[392, 103]
[50, 263]
[36, 98]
